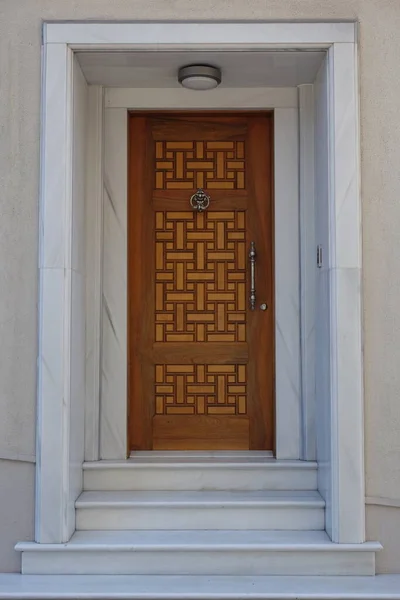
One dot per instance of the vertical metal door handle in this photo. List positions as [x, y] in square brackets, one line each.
[252, 258]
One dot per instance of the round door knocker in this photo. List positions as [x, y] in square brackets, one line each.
[200, 201]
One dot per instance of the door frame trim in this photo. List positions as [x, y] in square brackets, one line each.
[57, 431]
[288, 408]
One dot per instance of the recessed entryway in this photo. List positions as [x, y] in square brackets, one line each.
[83, 361]
[284, 131]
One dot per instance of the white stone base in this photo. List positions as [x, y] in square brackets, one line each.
[136, 587]
[199, 553]
[300, 510]
[251, 472]
[268, 519]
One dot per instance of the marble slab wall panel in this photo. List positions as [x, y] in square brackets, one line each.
[56, 157]
[216, 34]
[52, 408]
[287, 284]
[77, 391]
[77, 335]
[308, 268]
[322, 362]
[349, 385]
[94, 254]
[61, 360]
[80, 99]
[348, 438]
[347, 210]
[222, 98]
[323, 404]
[113, 409]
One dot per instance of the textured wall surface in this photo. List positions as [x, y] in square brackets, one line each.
[383, 523]
[20, 36]
[17, 483]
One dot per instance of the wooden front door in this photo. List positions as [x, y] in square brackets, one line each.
[201, 362]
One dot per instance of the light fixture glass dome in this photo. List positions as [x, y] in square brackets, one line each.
[199, 77]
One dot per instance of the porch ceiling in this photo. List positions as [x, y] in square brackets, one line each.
[239, 69]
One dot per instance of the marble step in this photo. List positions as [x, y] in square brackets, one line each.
[201, 471]
[199, 553]
[277, 510]
[197, 587]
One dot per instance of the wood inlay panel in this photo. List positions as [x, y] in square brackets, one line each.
[201, 363]
[201, 389]
[200, 262]
[211, 165]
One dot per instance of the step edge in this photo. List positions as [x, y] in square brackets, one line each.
[102, 466]
[88, 504]
[366, 547]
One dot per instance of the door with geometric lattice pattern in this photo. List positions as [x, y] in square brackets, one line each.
[200, 308]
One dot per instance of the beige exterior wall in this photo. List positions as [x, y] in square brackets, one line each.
[20, 37]
[383, 523]
[17, 483]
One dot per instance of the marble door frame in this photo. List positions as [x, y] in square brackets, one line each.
[113, 412]
[63, 352]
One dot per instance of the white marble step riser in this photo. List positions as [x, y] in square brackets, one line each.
[224, 517]
[209, 587]
[208, 562]
[200, 479]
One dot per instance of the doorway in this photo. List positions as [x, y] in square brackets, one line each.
[200, 281]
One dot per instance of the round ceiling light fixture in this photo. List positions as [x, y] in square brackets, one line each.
[199, 77]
